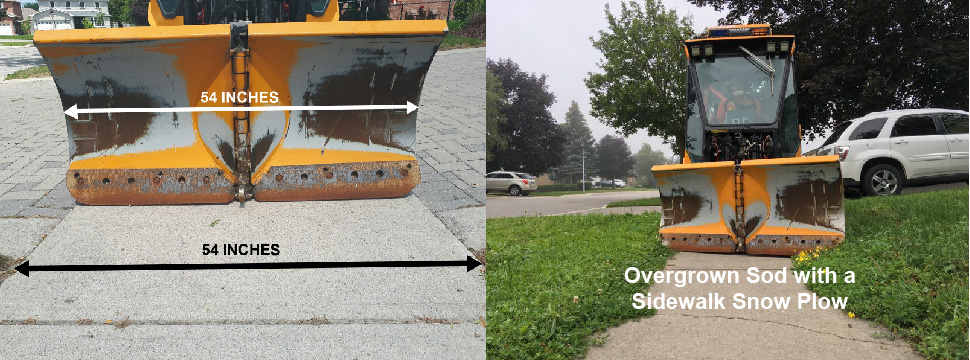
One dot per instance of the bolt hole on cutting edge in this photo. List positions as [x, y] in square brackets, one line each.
[353, 174]
[380, 173]
[131, 180]
[181, 179]
[304, 176]
[105, 181]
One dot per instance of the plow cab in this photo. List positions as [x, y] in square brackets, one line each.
[245, 54]
[743, 186]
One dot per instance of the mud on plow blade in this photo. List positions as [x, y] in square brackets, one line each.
[121, 158]
[768, 206]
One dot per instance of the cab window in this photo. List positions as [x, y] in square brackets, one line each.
[914, 125]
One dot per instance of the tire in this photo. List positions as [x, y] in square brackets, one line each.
[882, 180]
[525, 193]
[514, 190]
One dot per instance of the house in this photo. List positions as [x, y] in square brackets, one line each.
[10, 23]
[70, 14]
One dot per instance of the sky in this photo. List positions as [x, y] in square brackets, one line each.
[552, 37]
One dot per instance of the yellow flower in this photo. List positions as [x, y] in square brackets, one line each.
[851, 315]
[815, 255]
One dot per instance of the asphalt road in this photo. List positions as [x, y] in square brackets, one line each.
[508, 206]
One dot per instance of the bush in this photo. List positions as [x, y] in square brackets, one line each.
[476, 19]
[465, 8]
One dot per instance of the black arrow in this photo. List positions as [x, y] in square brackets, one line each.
[469, 263]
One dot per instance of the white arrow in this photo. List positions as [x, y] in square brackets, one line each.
[73, 111]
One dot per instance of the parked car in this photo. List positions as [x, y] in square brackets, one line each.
[515, 183]
[881, 151]
[607, 184]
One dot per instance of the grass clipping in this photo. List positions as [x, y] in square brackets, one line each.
[554, 281]
[34, 72]
[909, 254]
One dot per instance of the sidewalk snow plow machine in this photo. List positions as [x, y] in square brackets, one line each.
[742, 186]
[243, 54]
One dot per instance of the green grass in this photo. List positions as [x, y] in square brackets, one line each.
[17, 43]
[635, 202]
[593, 190]
[33, 72]
[460, 42]
[17, 37]
[909, 254]
[537, 266]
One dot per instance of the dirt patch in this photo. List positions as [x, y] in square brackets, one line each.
[7, 265]
[85, 322]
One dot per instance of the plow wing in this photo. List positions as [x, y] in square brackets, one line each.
[771, 206]
[212, 157]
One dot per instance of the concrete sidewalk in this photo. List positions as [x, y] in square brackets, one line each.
[349, 313]
[746, 334]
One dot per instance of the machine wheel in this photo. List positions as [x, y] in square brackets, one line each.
[514, 190]
[882, 180]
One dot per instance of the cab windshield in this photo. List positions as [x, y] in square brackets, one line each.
[741, 88]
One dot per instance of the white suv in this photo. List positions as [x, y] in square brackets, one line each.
[515, 183]
[879, 152]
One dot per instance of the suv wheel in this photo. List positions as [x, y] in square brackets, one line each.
[514, 190]
[882, 180]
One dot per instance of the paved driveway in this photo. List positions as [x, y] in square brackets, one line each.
[347, 313]
[13, 58]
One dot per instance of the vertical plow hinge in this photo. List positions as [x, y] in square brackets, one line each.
[239, 65]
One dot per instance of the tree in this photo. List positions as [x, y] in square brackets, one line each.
[534, 140]
[119, 9]
[615, 160]
[86, 23]
[32, 5]
[579, 141]
[495, 103]
[856, 57]
[99, 19]
[641, 83]
[3, 13]
[25, 27]
[138, 14]
[645, 159]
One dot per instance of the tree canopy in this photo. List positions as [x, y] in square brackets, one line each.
[641, 83]
[495, 103]
[615, 159]
[535, 142]
[645, 159]
[856, 57]
[119, 9]
[579, 141]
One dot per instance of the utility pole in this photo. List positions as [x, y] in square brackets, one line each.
[583, 180]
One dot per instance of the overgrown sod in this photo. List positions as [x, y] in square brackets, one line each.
[909, 254]
[32, 72]
[635, 202]
[554, 281]
[17, 37]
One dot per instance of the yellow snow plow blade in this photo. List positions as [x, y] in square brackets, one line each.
[767, 206]
[168, 157]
